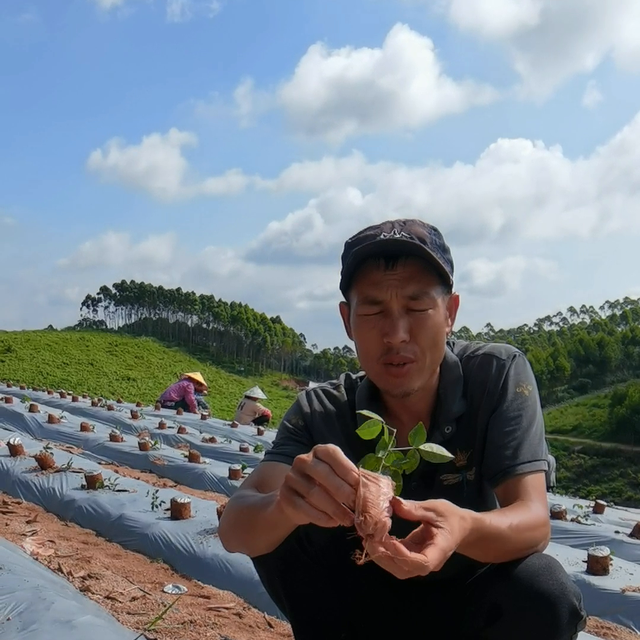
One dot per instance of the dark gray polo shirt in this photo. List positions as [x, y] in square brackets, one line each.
[487, 414]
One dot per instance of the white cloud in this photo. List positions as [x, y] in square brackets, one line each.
[338, 93]
[592, 96]
[549, 41]
[250, 102]
[179, 10]
[7, 221]
[176, 11]
[114, 249]
[493, 278]
[107, 5]
[157, 166]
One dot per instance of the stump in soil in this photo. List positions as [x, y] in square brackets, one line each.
[8, 399]
[23, 387]
[135, 415]
[100, 400]
[85, 395]
[111, 407]
[9, 385]
[94, 402]
[144, 445]
[558, 512]
[85, 427]
[194, 456]
[120, 401]
[260, 431]
[244, 447]
[63, 395]
[599, 561]
[139, 404]
[115, 436]
[180, 508]
[179, 411]
[158, 407]
[234, 425]
[16, 448]
[45, 460]
[75, 398]
[93, 480]
[204, 416]
[210, 439]
[49, 392]
[52, 419]
[220, 510]
[599, 507]
[235, 472]
[635, 532]
[34, 408]
[162, 425]
[182, 429]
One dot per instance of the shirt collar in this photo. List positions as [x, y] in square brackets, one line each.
[450, 402]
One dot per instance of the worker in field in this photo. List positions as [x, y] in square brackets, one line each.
[184, 394]
[459, 554]
[249, 409]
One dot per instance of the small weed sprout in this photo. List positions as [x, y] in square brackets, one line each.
[156, 503]
[259, 448]
[152, 625]
[388, 459]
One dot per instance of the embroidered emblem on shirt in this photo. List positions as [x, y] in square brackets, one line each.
[460, 460]
[524, 388]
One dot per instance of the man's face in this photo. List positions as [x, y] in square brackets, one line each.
[399, 320]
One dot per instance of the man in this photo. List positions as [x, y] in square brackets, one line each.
[468, 534]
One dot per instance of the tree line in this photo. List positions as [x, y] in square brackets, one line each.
[229, 332]
[571, 353]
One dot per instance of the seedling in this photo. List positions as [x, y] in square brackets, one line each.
[156, 503]
[388, 459]
[259, 448]
[152, 625]
[26, 400]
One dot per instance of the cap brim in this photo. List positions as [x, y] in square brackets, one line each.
[392, 247]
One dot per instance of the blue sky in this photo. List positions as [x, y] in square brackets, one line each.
[231, 147]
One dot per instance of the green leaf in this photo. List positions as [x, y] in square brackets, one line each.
[370, 462]
[417, 435]
[412, 461]
[396, 476]
[384, 444]
[369, 429]
[396, 460]
[434, 453]
[370, 414]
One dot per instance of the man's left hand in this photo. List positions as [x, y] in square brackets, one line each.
[443, 526]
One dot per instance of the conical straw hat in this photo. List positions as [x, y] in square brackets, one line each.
[197, 376]
[255, 392]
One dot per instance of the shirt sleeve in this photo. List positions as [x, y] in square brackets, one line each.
[515, 441]
[294, 434]
[190, 397]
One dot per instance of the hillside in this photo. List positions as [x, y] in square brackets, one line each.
[113, 365]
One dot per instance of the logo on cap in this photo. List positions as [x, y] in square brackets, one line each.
[394, 234]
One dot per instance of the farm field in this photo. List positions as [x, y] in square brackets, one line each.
[119, 545]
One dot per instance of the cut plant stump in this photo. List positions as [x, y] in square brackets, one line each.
[144, 445]
[75, 398]
[49, 392]
[85, 427]
[8, 399]
[53, 419]
[220, 510]
[63, 395]
[204, 416]
[558, 512]
[111, 407]
[16, 448]
[635, 532]
[94, 402]
[210, 439]
[116, 436]
[85, 395]
[599, 507]
[234, 425]
[179, 411]
[162, 425]
[139, 404]
[23, 387]
[235, 472]
[9, 385]
[45, 460]
[182, 429]
[34, 408]
[260, 431]
[244, 447]
[599, 561]
[180, 508]
[135, 415]
[93, 480]
[194, 456]
[158, 407]
[120, 401]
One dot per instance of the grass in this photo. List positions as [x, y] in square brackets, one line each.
[582, 418]
[112, 365]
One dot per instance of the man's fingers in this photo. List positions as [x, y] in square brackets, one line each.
[324, 474]
[415, 511]
[316, 495]
[397, 560]
[341, 465]
[306, 512]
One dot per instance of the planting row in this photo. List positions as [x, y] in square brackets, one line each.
[160, 523]
[170, 450]
[118, 413]
[37, 604]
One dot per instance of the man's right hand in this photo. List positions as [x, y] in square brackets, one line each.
[320, 488]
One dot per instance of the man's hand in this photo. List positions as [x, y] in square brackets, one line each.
[320, 488]
[443, 527]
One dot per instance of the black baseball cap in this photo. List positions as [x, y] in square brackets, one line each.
[404, 237]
